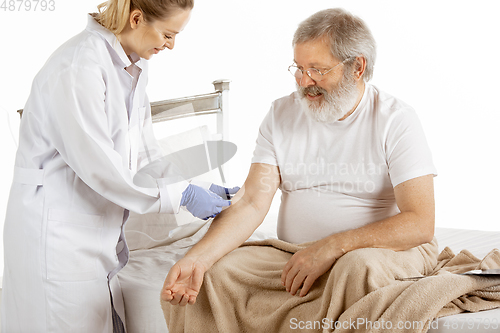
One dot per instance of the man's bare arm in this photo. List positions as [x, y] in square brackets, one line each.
[249, 207]
[412, 227]
[228, 230]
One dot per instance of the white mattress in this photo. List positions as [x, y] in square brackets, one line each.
[143, 277]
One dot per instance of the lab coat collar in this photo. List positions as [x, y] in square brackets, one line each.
[94, 26]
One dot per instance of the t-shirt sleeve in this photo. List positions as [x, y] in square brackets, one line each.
[265, 151]
[408, 154]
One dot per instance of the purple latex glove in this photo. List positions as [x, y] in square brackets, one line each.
[202, 203]
[223, 192]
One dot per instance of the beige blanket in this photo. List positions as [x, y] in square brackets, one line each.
[363, 292]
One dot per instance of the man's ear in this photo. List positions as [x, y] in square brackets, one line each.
[359, 67]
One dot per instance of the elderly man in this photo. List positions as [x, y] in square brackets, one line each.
[351, 161]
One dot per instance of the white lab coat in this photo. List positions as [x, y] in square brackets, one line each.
[86, 129]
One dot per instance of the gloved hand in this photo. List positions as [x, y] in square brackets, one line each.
[223, 192]
[202, 203]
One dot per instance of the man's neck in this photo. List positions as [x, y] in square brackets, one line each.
[361, 92]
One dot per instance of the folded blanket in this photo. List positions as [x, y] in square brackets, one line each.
[365, 291]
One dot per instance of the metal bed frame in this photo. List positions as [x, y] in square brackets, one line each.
[197, 105]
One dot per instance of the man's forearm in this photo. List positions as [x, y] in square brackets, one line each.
[400, 232]
[234, 225]
[229, 230]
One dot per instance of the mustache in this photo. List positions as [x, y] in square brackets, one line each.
[313, 90]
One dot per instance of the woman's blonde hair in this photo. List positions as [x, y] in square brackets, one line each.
[114, 14]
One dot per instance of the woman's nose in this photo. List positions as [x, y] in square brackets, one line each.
[169, 44]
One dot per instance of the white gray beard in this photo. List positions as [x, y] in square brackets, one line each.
[336, 104]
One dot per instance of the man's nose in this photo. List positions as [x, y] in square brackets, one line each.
[306, 81]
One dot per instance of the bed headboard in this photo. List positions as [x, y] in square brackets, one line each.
[198, 105]
[211, 103]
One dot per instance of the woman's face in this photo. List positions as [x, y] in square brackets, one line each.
[147, 39]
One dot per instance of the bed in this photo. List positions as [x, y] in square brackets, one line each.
[157, 241]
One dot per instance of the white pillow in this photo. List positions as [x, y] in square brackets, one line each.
[151, 230]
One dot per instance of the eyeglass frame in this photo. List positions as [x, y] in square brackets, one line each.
[317, 70]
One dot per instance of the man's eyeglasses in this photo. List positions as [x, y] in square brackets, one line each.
[313, 73]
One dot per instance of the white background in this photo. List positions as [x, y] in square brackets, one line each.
[439, 56]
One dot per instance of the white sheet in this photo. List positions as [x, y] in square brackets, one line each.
[143, 277]
[479, 243]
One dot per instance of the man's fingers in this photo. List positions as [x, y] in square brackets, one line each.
[297, 282]
[286, 269]
[166, 295]
[184, 300]
[177, 297]
[306, 286]
[290, 277]
[192, 300]
[172, 277]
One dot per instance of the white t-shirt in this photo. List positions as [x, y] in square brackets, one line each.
[340, 176]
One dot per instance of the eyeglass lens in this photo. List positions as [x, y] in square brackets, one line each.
[312, 72]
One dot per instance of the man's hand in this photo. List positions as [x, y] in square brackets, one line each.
[307, 265]
[183, 282]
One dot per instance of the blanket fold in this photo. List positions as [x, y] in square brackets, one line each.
[364, 291]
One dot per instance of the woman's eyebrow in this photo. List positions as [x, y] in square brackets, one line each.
[171, 31]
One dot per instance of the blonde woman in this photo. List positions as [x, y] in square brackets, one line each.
[86, 130]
